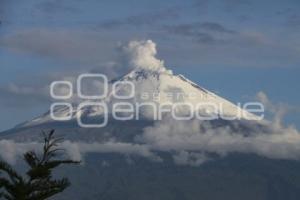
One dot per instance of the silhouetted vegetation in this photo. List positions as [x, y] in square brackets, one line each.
[37, 183]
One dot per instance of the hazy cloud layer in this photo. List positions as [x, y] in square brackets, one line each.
[189, 146]
[278, 143]
[20, 95]
[85, 37]
[202, 32]
[11, 150]
[189, 142]
[56, 6]
[144, 19]
[85, 47]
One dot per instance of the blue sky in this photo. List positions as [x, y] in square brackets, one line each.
[234, 48]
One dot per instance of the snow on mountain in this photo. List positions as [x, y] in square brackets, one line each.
[177, 89]
[155, 86]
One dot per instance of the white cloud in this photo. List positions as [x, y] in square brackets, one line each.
[189, 158]
[142, 54]
[277, 143]
[10, 150]
[276, 110]
[189, 142]
[273, 141]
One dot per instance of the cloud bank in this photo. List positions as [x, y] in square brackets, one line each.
[11, 151]
[189, 142]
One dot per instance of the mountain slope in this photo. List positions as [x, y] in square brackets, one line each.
[159, 87]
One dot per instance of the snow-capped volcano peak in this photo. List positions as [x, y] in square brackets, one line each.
[145, 73]
[151, 83]
[163, 87]
[157, 86]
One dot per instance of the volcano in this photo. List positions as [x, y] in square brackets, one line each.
[149, 92]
